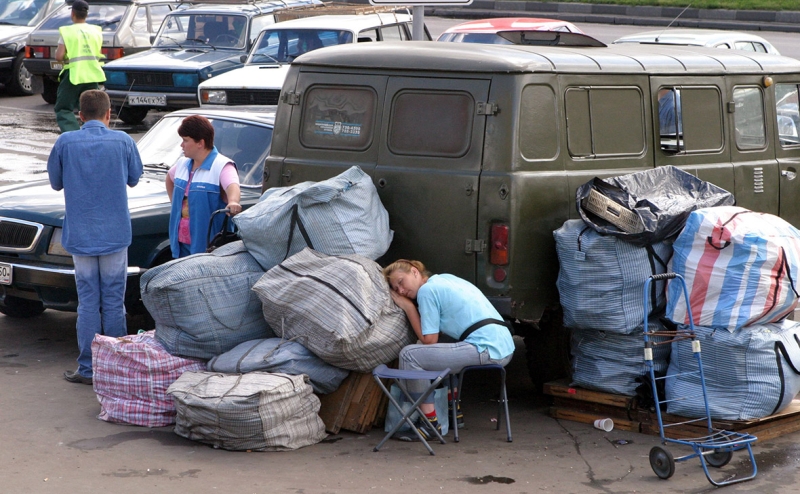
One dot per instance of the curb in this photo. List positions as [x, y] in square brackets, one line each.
[742, 20]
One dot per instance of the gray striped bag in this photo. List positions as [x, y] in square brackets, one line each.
[203, 305]
[751, 373]
[338, 307]
[341, 215]
[256, 411]
[611, 362]
[601, 278]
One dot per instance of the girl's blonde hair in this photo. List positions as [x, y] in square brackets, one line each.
[405, 266]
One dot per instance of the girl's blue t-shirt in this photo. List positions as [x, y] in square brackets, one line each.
[450, 305]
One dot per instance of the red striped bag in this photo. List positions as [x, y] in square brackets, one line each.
[131, 377]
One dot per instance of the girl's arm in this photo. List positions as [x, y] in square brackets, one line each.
[412, 313]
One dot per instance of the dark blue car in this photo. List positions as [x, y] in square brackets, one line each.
[193, 45]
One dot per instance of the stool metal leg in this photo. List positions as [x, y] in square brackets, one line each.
[502, 403]
[504, 397]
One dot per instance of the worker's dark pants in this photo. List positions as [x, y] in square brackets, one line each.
[68, 100]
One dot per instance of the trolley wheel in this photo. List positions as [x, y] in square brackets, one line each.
[662, 462]
[719, 458]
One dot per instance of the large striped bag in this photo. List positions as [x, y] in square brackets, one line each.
[601, 278]
[203, 305]
[131, 377]
[741, 268]
[611, 362]
[341, 215]
[339, 307]
[751, 373]
[257, 411]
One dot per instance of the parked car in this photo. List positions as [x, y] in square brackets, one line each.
[731, 40]
[36, 273]
[17, 19]
[128, 26]
[259, 82]
[485, 30]
[192, 45]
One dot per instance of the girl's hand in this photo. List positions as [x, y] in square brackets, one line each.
[400, 300]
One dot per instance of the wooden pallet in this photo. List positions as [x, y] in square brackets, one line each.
[358, 405]
[583, 405]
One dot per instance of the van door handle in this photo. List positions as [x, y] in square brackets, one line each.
[287, 175]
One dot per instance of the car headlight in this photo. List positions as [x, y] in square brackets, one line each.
[116, 78]
[55, 248]
[213, 96]
[185, 80]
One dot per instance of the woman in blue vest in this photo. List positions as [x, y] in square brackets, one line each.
[201, 182]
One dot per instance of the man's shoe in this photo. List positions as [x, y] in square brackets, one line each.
[74, 377]
[424, 429]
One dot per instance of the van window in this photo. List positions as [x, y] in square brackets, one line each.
[604, 122]
[338, 118]
[538, 124]
[431, 123]
[690, 119]
[786, 105]
[748, 118]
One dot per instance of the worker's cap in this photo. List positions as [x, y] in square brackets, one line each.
[80, 6]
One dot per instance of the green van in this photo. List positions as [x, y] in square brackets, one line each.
[477, 150]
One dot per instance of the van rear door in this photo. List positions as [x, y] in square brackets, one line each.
[429, 167]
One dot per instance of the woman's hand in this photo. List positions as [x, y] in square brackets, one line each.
[234, 208]
[403, 302]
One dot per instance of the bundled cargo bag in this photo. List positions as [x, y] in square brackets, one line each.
[131, 377]
[339, 307]
[257, 411]
[741, 268]
[601, 278]
[751, 373]
[648, 206]
[611, 362]
[280, 356]
[341, 215]
[203, 304]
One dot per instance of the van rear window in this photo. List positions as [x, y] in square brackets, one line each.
[748, 119]
[786, 107]
[605, 121]
[338, 118]
[431, 123]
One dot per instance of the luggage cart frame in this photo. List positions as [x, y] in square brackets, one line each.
[715, 448]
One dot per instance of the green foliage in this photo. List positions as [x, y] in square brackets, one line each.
[706, 4]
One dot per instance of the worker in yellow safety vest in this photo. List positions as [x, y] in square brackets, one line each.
[79, 48]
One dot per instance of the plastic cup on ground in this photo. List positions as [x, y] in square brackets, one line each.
[604, 424]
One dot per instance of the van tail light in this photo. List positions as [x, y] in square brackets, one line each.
[113, 53]
[499, 250]
[37, 52]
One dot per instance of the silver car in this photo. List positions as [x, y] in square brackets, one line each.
[731, 40]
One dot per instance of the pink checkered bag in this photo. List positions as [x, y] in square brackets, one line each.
[131, 377]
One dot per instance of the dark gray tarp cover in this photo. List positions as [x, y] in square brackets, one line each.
[662, 198]
[280, 356]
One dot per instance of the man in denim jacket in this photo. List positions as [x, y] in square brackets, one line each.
[93, 166]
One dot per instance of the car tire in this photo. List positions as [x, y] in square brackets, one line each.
[20, 82]
[50, 93]
[132, 116]
[21, 308]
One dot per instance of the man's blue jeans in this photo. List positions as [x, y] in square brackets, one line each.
[101, 301]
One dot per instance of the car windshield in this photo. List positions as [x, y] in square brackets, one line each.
[245, 143]
[105, 16]
[284, 45]
[21, 12]
[194, 30]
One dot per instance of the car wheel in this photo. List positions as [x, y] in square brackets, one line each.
[20, 82]
[20, 307]
[50, 93]
[132, 116]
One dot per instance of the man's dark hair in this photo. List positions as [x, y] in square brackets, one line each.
[197, 127]
[94, 104]
[80, 9]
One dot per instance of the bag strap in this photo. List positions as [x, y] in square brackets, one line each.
[296, 221]
[478, 325]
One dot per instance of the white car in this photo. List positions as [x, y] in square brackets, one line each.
[259, 82]
[732, 40]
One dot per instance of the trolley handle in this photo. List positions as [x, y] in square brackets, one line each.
[663, 276]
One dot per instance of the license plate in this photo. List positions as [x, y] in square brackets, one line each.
[147, 100]
[55, 65]
[6, 271]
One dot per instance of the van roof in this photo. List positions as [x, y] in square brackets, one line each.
[486, 58]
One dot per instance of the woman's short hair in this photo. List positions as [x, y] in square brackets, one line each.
[405, 265]
[197, 127]
[94, 104]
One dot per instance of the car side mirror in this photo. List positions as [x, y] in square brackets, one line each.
[152, 38]
[243, 58]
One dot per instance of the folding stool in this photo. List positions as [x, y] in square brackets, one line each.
[501, 403]
[436, 377]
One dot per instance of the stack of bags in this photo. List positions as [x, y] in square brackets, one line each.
[276, 320]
